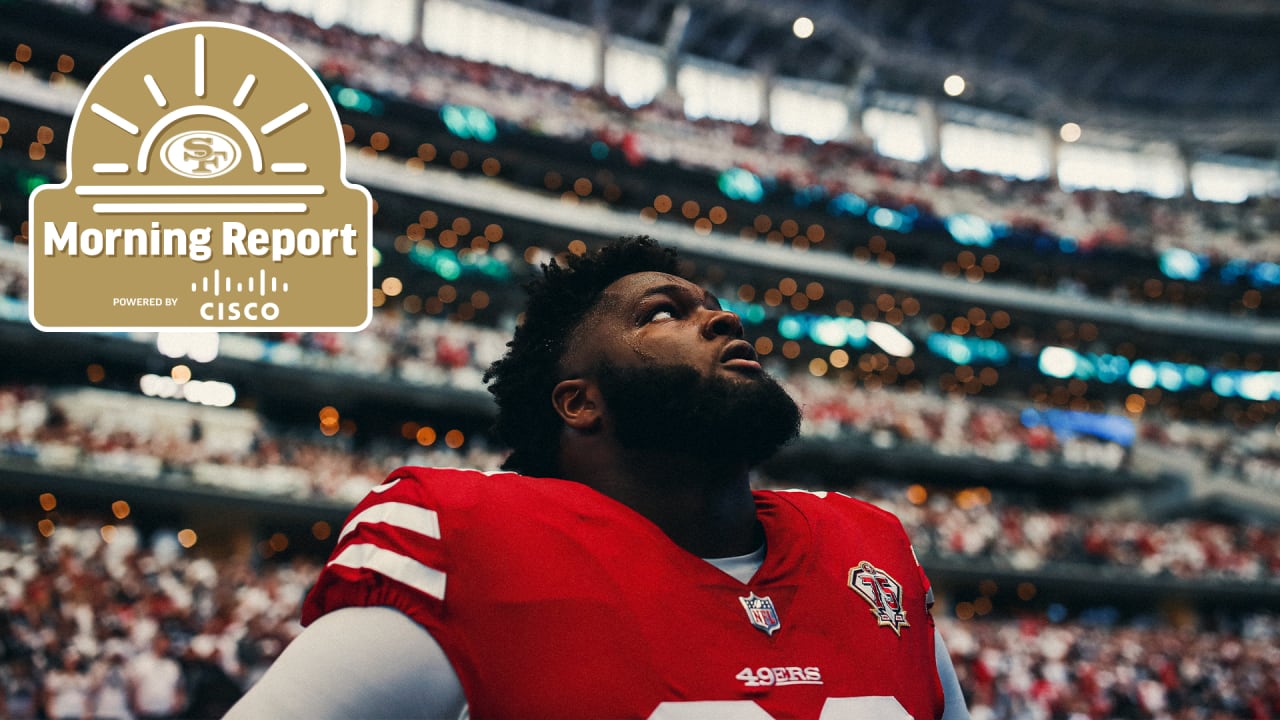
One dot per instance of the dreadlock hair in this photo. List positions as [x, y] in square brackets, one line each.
[522, 380]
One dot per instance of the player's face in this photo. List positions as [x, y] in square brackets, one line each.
[653, 318]
[677, 376]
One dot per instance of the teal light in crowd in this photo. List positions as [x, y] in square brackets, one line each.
[1169, 376]
[828, 331]
[824, 329]
[806, 197]
[966, 350]
[1260, 386]
[1265, 275]
[857, 331]
[483, 264]
[739, 184]
[889, 219]
[1179, 264]
[1142, 375]
[13, 309]
[1234, 270]
[354, 99]
[28, 182]
[1195, 375]
[944, 345]
[439, 261]
[1110, 368]
[455, 120]
[447, 268]
[599, 150]
[347, 97]
[847, 204]
[791, 327]
[969, 229]
[750, 313]
[1060, 362]
[1224, 384]
[471, 123]
[483, 128]
[1258, 274]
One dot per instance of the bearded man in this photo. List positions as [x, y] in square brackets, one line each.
[622, 567]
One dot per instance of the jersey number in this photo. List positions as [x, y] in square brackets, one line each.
[879, 707]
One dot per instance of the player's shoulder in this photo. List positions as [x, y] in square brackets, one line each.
[432, 487]
[465, 497]
[816, 504]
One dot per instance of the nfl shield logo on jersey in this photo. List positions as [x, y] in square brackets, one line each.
[884, 594]
[761, 613]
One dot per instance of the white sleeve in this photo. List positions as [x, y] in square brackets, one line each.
[955, 708]
[357, 662]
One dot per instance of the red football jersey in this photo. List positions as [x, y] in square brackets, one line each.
[554, 601]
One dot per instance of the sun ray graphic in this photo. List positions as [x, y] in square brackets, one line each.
[199, 65]
[156, 93]
[246, 87]
[284, 118]
[114, 119]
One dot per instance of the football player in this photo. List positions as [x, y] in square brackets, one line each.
[623, 567]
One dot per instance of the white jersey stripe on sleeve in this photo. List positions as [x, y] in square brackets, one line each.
[402, 515]
[400, 568]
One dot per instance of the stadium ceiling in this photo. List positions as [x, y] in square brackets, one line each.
[1203, 73]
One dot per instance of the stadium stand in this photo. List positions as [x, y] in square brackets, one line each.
[1104, 543]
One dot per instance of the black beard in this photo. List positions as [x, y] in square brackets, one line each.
[676, 409]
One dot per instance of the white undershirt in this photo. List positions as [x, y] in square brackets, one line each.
[740, 567]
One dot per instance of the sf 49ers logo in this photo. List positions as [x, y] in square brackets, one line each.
[884, 594]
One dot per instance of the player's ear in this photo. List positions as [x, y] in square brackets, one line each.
[579, 404]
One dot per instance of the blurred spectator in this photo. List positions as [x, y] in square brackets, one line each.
[156, 681]
[20, 692]
[67, 688]
[111, 687]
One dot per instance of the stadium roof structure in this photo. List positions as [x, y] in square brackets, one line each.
[1203, 73]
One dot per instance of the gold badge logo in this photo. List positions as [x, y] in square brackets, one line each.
[882, 593]
[206, 190]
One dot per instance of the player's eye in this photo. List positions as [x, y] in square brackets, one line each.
[662, 313]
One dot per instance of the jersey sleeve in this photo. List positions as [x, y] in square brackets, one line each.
[896, 523]
[890, 523]
[390, 552]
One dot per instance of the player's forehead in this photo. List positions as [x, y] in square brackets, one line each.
[629, 289]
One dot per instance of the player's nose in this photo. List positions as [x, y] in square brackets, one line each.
[720, 323]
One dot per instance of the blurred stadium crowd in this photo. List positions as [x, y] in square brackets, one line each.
[101, 434]
[130, 628]
[118, 623]
[113, 629]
